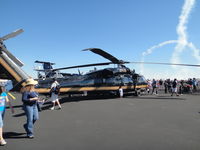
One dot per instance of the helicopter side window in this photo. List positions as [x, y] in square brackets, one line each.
[88, 82]
[109, 81]
[127, 81]
[113, 81]
[98, 81]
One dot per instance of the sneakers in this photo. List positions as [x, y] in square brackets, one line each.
[30, 136]
[3, 142]
[52, 108]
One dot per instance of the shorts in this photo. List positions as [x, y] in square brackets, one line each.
[54, 97]
[1, 118]
[174, 90]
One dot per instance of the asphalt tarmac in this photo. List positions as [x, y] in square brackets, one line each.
[149, 122]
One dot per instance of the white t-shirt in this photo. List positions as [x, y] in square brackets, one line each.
[54, 96]
[121, 92]
[54, 84]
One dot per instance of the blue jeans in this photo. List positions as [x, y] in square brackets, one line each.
[32, 115]
[1, 118]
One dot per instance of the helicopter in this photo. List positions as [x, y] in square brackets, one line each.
[107, 80]
[103, 81]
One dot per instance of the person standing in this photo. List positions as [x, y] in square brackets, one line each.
[190, 86]
[54, 94]
[155, 87]
[181, 87]
[3, 100]
[174, 87]
[30, 99]
[148, 86]
[169, 83]
[166, 86]
[194, 84]
[121, 93]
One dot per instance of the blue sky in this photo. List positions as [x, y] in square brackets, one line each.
[57, 31]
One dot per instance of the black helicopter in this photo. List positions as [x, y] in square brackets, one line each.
[104, 81]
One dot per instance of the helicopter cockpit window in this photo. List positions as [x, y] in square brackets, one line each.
[141, 79]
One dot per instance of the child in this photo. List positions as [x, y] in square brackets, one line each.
[3, 100]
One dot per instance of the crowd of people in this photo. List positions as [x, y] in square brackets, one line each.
[174, 86]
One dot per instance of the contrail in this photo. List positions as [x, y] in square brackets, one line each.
[150, 50]
[181, 30]
[196, 51]
[182, 41]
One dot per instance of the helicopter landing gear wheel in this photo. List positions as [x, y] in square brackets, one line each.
[137, 93]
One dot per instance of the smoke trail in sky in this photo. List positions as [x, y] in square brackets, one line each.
[150, 50]
[182, 42]
[181, 30]
[196, 51]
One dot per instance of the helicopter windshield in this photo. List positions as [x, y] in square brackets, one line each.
[141, 79]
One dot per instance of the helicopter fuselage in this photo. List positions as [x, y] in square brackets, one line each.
[107, 80]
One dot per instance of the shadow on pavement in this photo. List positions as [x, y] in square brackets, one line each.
[15, 135]
[161, 97]
[19, 115]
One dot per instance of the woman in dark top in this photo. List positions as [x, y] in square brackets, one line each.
[30, 99]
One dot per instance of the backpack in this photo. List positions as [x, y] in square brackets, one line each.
[56, 89]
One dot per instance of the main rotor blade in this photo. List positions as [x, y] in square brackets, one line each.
[105, 55]
[11, 56]
[81, 66]
[192, 65]
[13, 34]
